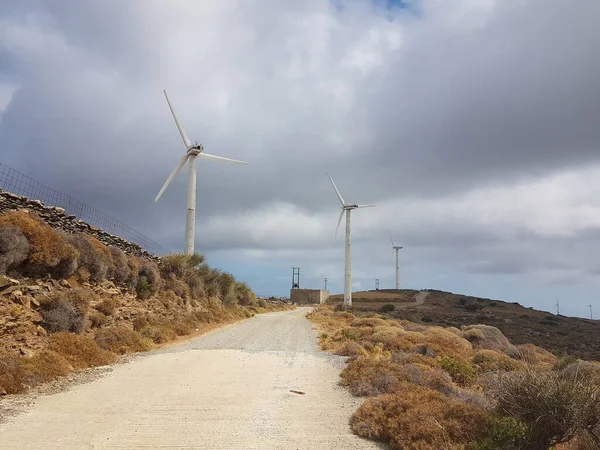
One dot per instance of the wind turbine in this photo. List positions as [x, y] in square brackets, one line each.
[346, 208]
[192, 152]
[396, 249]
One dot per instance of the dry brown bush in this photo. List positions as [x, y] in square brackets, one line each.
[134, 266]
[149, 280]
[81, 352]
[159, 334]
[12, 373]
[491, 360]
[119, 269]
[45, 366]
[369, 322]
[48, 251]
[121, 340]
[350, 348]
[418, 418]
[94, 258]
[97, 319]
[14, 248]
[108, 306]
[368, 376]
[534, 355]
[555, 406]
[67, 311]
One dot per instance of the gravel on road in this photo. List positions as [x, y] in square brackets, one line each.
[258, 384]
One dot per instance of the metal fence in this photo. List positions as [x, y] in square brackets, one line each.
[17, 183]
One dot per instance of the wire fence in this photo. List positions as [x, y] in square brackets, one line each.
[18, 183]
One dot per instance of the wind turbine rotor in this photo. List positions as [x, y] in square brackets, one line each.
[184, 136]
[182, 162]
[337, 191]
[339, 222]
[220, 158]
[365, 206]
[391, 239]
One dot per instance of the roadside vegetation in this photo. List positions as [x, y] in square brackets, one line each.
[108, 303]
[431, 387]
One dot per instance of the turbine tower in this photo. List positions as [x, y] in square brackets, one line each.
[396, 249]
[346, 208]
[192, 152]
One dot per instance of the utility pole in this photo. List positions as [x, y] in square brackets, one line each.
[325, 283]
[296, 278]
[376, 284]
[557, 308]
[591, 315]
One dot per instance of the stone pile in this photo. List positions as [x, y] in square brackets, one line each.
[56, 218]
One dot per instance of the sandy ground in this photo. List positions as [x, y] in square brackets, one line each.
[229, 389]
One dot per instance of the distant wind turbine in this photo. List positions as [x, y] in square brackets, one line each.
[346, 208]
[192, 151]
[396, 249]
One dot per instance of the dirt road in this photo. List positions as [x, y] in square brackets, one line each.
[229, 389]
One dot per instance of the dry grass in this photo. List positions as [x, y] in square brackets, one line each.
[81, 352]
[121, 340]
[418, 418]
[429, 383]
[108, 306]
[49, 253]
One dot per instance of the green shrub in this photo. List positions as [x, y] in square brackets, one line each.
[462, 372]
[388, 308]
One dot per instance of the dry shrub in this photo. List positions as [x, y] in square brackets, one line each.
[67, 311]
[119, 269]
[555, 406]
[534, 355]
[472, 335]
[187, 269]
[411, 326]
[178, 287]
[492, 339]
[418, 418]
[369, 322]
[370, 376]
[444, 342]
[12, 373]
[81, 352]
[97, 319]
[140, 322]
[159, 334]
[343, 315]
[134, 267]
[14, 248]
[413, 358]
[49, 253]
[149, 281]
[491, 361]
[350, 348]
[121, 340]
[585, 369]
[245, 296]
[94, 258]
[108, 306]
[45, 366]
[182, 327]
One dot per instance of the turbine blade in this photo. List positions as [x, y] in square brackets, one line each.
[391, 237]
[220, 158]
[365, 206]
[339, 221]
[184, 136]
[336, 190]
[182, 161]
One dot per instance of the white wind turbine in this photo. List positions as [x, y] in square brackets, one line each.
[192, 151]
[346, 208]
[396, 249]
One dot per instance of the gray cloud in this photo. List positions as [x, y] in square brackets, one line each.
[412, 110]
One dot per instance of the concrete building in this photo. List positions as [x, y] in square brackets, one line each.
[309, 296]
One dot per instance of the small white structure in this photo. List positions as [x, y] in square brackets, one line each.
[309, 296]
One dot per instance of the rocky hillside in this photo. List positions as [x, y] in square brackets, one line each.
[69, 301]
[522, 325]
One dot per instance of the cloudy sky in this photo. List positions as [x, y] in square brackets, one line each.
[474, 125]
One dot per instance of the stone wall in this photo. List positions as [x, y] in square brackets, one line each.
[56, 218]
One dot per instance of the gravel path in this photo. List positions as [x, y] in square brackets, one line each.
[229, 389]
